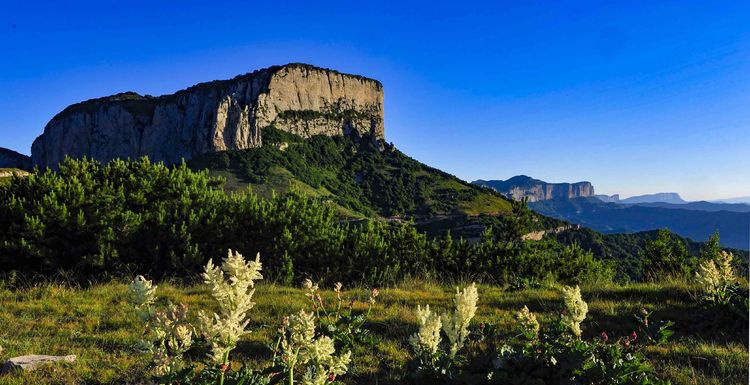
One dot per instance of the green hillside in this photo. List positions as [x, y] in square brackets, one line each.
[361, 176]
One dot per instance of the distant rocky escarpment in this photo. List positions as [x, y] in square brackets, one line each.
[608, 198]
[214, 116]
[522, 186]
[668, 197]
[12, 159]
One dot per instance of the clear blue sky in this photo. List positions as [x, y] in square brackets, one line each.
[636, 97]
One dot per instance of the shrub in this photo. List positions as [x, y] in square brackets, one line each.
[665, 256]
[95, 220]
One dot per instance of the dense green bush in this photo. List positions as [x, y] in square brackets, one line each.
[96, 219]
[666, 256]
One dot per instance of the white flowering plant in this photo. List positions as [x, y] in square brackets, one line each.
[575, 310]
[307, 342]
[167, 335]
[232, 286]
[720, 285]
[312, 348]
[438, 358]
[528, 324]
[304, 356]
[562, 353]
[339, 319]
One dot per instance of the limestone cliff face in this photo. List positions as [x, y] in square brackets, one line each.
[535, 190]
[214, 116]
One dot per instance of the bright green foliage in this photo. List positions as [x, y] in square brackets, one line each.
[96, 219]
[711, 249]
[92, 217]
[665, 255]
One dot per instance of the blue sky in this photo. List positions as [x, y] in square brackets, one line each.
[636, 97]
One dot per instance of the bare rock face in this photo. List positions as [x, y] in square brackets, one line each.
[535, 190]
[31, 362]
[215, 116]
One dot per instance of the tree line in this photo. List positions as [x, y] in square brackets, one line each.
[94, 220]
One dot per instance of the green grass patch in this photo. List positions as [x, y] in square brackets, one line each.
[97, 324]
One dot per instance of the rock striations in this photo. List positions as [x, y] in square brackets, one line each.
[522, 186]
[214, 116]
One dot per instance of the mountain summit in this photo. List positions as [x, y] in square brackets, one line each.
[214, 116]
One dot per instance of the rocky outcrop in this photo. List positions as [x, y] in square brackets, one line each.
[12, 159]
[31, 362]
[608, 198]
[535, 190]
[214, 116]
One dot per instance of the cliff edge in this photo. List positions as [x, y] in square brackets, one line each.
[522, 186]
[214, 116]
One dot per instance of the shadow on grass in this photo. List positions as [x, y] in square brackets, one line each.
[689, 322]
[705, 364]
[642, 294]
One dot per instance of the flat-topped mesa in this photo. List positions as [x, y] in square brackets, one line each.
[522, 186]
[214, 116]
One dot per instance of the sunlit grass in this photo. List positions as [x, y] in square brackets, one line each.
[98, 326]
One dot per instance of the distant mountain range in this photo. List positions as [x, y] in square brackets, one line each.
[668, 197]
[734, 200]
[733, 227]
[702, 206]
[610, 214]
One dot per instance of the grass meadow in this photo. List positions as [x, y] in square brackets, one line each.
[97, 324]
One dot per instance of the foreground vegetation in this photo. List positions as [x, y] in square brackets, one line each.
[95, 226]
[96, 323]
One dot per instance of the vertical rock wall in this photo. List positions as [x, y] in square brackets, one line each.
[214, 116]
